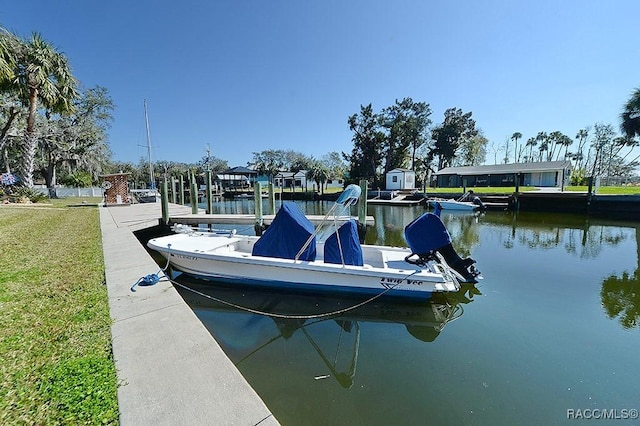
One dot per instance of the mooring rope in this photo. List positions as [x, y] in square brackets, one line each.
[152, 279]
[284, 316]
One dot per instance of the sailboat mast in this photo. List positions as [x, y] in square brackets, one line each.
[146, 120]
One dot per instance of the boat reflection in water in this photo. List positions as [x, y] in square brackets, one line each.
[246, 322]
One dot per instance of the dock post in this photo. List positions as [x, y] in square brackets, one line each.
[209, 196]
[164, 199]
[181, 193]
[516, 195]
[174, 196]
[193, 192]
[272, 199]
[589, 193]
[257, 198]
[362, 210]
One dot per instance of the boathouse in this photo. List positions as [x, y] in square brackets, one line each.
[540, 174]
[237, 178]
[295, 180]
[400, 179]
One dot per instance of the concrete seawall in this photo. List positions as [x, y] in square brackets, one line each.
[170, 369]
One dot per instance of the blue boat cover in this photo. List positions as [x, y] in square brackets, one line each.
[426, 233]
[351, 250]
[286, 235]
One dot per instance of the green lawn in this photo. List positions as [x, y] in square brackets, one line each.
[55, 338]
[603, 190]
[609, 190]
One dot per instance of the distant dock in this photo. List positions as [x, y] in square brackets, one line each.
[245, 219]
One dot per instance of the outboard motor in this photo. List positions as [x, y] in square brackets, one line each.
[427, 236]
[475, 200]
[478, 202]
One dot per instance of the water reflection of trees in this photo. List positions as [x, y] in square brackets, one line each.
[577, 235]
[620, 295]
[390, 222]
[464, 231]
[621, 298]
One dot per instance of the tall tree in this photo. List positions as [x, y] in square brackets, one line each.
[447, 136]
[557, 140]
[630, 116]
[407, 123]
[531, 143]
[77, 140]
[543, 139]
[602, 142]
[579, 156]
[11, 122]
[565, 141]
[335, 164]
[319, 173]
[40, 75]
[514, 138]
[268, 162]
[472, 151]
[368, 141]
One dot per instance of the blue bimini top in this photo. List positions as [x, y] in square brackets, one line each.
[286, 235]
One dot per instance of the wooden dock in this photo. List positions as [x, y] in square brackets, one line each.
[397, 201]
[245, 219]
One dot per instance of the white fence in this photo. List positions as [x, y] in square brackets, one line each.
[64, 192]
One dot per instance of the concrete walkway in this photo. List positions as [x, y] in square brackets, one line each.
[171, 370]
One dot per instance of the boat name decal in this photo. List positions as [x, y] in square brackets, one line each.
[185, 257]
[392, 282]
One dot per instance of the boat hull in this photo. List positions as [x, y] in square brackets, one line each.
[230, 260]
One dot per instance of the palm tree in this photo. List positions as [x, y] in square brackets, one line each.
[543, 138]
[582, 138]
[319, 173]
[515, 137]
[38, 74]
[531, 142]
[8, 44]
[631, 115]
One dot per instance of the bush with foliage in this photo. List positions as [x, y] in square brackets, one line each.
[23, 195]
[578, 178]
[78, 179]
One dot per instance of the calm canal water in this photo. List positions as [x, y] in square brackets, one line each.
[550, 333]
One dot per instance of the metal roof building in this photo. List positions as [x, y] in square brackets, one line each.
[544, 174]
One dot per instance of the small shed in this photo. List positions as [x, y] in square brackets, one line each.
[401, 179]
[116, 189]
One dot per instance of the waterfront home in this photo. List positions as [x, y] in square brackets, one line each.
[540, 174]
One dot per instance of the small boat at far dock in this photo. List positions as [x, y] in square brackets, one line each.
[292, 254]
[468, 202]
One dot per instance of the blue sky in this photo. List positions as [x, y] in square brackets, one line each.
[245, 76]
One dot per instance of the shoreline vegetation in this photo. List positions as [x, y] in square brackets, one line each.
[55, 339]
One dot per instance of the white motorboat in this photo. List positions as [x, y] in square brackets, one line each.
[292, 254]
[146, 195]
[452, 204]
[468, 202]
